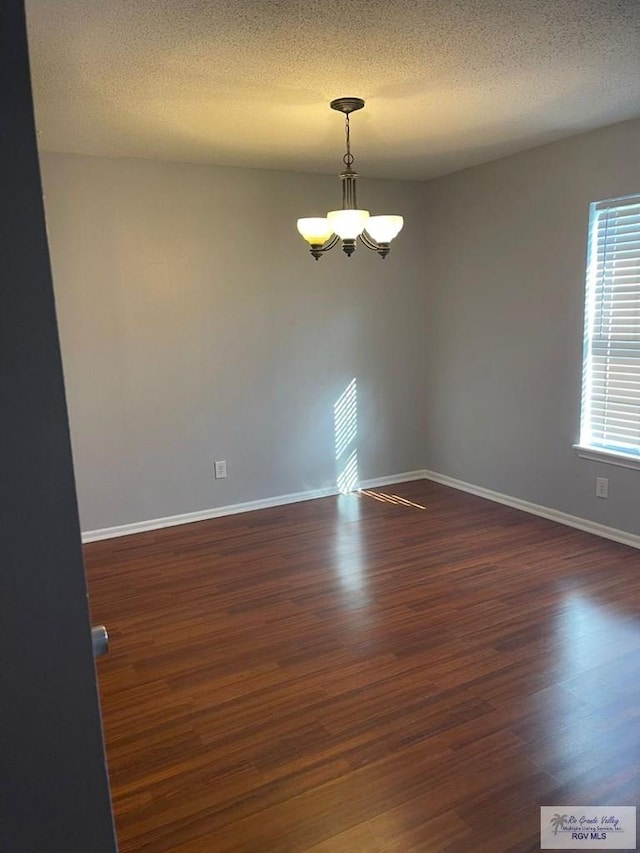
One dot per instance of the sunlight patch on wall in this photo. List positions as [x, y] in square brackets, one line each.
[345, 425]
[348, 477]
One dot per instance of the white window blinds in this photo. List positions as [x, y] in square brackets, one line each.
[611, 380]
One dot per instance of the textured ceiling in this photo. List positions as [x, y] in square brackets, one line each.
[448, 83]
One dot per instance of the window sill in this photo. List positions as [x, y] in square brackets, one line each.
[597, 454]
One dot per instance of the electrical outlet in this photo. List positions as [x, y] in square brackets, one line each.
[602, 487]
[220, 470]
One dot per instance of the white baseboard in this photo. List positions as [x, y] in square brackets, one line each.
[407, 477]
[616, 535]
[232, 509]
[621, 536]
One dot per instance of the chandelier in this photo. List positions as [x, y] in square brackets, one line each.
[350, 223]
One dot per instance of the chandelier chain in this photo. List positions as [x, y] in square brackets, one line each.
[348, 157]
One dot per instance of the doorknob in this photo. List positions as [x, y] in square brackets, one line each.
[100, 640]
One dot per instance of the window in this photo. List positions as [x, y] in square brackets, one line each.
[610, 423]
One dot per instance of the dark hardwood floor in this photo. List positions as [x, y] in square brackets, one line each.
[412, 673]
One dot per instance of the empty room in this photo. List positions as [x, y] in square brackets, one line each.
[322, 359]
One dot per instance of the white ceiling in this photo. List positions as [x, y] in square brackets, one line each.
[448, 83]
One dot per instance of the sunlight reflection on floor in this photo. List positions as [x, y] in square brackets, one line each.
[390, 499]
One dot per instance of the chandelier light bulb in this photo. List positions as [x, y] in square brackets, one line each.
[384, 228]
[316, 230]
[348, 224]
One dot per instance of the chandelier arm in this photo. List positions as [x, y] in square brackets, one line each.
[369, 242]
[382, 249]
[331, 242]
[317, 251]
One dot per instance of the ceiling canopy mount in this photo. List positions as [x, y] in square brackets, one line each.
[347, 105]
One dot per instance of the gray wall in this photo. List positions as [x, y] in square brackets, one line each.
[506, 248]
[195, 326]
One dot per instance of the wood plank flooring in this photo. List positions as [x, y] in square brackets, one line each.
[409, 669]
